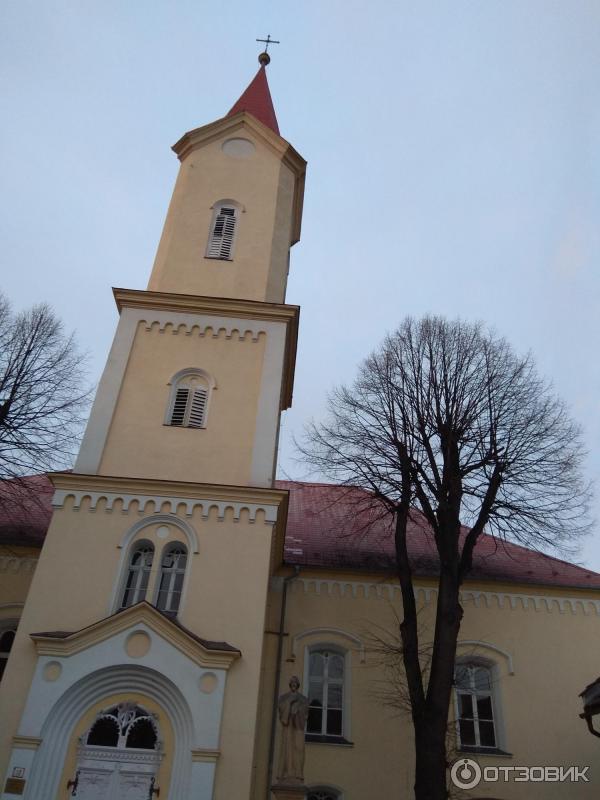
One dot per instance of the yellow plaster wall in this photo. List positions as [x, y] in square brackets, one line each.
[555, 655]
[78, 571]
[140, 444]
[261, 184]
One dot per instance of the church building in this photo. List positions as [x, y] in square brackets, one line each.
[156, 600]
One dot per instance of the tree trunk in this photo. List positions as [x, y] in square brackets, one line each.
[430, 762]
[431, 726]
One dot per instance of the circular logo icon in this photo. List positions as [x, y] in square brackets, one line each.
[465, 773]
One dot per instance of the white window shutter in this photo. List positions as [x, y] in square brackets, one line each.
[221, 239]
[179, 406]
[197, 408]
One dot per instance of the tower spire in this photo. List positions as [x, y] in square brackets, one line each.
[256, 99]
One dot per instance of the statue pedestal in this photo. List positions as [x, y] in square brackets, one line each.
[289, 791]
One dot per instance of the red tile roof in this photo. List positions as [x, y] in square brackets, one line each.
[256, 100]
[25, 510]
[328, 527]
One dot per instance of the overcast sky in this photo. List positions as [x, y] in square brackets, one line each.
[454, 167]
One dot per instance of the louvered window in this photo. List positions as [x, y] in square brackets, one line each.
[188, 403]
[220, 244]
[189, 407]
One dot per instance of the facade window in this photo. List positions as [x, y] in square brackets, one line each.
[7, 637]
[138, 574]
[172, 573]
[326, 672]
[323, 793]
[188, 403]
[475, 706]
[222, 231]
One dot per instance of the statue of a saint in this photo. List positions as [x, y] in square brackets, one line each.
[293, 710]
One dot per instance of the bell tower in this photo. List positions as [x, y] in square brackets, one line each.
[151, 590]
[215, 304]
[237, 206]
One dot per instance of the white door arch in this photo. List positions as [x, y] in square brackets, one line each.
[60, 723]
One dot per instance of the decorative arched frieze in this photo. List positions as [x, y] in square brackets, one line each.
[477, 645]
[321, 635]
[17, 564]
[56, 732]
[427, 594]
[211, 330]
[165, 504]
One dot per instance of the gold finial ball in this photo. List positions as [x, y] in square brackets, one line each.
[264, 59]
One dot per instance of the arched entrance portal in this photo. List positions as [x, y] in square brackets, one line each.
[118, 757]
[103, 690]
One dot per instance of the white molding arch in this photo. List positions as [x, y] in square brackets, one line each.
[202, 373]
[476, 643]
[162, 519]
[325, 787]
[230, 202]
[128, 540]
[320, 632]
[57, 730]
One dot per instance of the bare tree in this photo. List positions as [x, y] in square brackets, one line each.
[42, 394]
[446, 421]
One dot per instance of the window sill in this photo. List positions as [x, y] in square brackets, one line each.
[338, 741]
[485, 751]
[217, 258]
[185, 427]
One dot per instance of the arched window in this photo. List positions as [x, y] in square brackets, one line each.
[188, 404]
[124, 726]
[475, 702]
[323, 793]
[138, 574]
[222, 230]
[7, 637]
[326, 673]
[172, 573]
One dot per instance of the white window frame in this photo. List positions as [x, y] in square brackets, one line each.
[237, 209]
[137, 545]
[173, 573]
[346, 693]
[494, 694]
[196, 378]
[7, 625]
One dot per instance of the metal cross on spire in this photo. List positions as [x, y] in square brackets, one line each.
[264, 58]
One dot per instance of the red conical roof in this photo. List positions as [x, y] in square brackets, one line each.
[256, 100]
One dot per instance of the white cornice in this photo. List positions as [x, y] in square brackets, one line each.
[199, 137]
